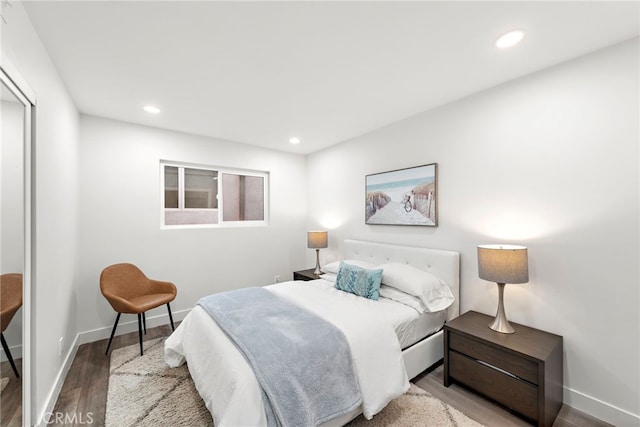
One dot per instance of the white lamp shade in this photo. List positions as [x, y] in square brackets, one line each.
[317, 239]
[503, 263]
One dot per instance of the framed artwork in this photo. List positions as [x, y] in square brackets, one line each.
[403, 197]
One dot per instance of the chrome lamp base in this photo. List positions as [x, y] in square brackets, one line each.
[317, 270]
[500, 323]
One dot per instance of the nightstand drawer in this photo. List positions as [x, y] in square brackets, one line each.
[518, 395]
[517, 366]
[523, 370]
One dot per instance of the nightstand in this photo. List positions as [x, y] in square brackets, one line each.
[305, 275]
[522, 371]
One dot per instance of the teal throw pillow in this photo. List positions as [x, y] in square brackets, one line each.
[359, 281]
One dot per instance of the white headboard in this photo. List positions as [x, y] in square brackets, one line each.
[444, 264]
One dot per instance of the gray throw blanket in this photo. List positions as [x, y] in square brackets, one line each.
[302, 362]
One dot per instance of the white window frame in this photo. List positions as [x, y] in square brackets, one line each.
[220, 170]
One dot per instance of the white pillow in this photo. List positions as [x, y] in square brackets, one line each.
[434, 293]
[329, 277]
[332, 268]
[403, 298]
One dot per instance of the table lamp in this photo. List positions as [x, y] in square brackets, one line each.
[317, 240]
[503, 264]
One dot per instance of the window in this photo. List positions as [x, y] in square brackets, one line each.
[207, 196]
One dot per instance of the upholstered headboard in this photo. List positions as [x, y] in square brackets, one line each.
[444, 264]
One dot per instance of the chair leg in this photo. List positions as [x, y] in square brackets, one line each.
[170, 317]
[144, 322]
[6, 350]
[140, 331]
[113, 331]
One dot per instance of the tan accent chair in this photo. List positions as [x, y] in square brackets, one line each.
[10, 302]
[129, 291]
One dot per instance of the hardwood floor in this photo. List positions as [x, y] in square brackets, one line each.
[83, 398]
[84, 393]
[11, 396]
[488, 413]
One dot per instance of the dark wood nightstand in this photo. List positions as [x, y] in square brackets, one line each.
[522, 371]
[305, 275]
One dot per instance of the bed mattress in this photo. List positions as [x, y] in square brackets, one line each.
[409, 325]
[227, 383]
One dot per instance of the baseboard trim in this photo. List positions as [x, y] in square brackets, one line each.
[16, 352]
[129, 326]
[599, 409]
[96, 335]
[57, 385]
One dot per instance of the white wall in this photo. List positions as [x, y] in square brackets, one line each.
[120, 219]
[549, 161]
[56, 177]
[11, 188]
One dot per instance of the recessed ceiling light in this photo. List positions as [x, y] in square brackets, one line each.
[509, 39]
[294, 141]
[151, 109]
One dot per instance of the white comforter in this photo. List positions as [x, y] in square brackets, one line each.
[226, 381]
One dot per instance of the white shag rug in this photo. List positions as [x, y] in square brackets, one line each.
[144, 391]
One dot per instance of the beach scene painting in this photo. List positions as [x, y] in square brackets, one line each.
[402, 197]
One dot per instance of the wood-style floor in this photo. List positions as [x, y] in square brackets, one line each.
[85, 390]
[489, 414]
[84, 393]
[11, 396]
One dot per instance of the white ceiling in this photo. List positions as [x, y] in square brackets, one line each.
[262, 72]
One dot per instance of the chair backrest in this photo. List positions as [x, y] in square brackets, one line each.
[124, 280]
[10, 297]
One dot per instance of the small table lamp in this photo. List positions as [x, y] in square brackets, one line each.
[317, 240]
[503, 264]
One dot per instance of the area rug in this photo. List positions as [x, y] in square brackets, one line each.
[3, 383]
[144, 391]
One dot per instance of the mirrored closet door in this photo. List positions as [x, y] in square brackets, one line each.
[16, 106]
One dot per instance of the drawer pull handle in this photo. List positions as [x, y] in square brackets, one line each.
[488, 365]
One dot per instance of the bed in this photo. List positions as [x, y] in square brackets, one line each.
[226, 381]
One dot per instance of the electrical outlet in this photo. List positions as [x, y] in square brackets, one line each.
[276, 279]
[60, 342]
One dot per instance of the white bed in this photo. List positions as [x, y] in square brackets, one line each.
[226, 381]
[409, 324]
[443, 264]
